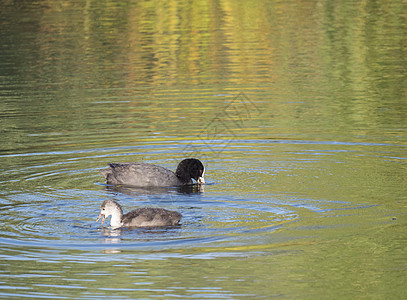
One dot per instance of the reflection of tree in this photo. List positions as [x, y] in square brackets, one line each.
[197, 42]
[61, 53]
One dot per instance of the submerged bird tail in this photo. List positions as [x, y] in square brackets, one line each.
[106, 172]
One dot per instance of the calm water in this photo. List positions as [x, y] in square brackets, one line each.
[297, 109]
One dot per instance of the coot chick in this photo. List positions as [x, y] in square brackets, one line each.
[140, 217]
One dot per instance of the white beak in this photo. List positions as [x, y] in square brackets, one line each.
[201, 179]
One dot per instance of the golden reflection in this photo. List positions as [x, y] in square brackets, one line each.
[86, 80]
[248, 45]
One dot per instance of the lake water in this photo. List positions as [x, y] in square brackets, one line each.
[297, 110]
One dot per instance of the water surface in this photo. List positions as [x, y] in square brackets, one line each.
[296, 109]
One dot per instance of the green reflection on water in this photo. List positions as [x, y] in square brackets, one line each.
[86, 82]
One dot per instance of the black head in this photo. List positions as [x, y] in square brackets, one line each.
[191, 168]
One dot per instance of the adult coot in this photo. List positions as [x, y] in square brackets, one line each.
[145, 175]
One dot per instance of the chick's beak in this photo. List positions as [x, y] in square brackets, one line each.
[101, 215]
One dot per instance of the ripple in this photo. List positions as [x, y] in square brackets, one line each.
[60, 193]
[66, 218]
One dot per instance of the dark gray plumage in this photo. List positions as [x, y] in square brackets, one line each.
[145, 175]
[140, 217]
